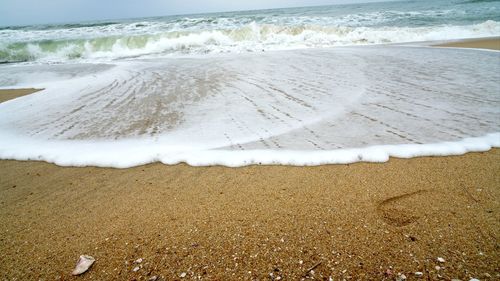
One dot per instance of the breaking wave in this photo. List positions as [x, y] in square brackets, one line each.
[252, 37]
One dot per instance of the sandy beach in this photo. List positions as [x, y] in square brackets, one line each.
[486, 43]
[361, 221]
[6, 95]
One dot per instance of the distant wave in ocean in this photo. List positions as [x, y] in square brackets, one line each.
[252, 37]
[251, 31]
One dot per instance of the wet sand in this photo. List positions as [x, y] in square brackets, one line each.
[486, 43]
[9, 94]
[363, 221]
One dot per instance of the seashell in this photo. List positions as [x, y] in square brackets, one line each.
[83, 264]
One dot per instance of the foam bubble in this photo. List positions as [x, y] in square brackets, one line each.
[130, 153]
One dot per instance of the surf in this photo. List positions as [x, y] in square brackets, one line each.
[252, 37]
[344, 105]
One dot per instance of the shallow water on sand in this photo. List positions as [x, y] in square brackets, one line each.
[286, 102]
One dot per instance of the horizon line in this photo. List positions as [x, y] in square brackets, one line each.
[2, 26]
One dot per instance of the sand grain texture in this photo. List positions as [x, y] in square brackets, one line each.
[246, 223]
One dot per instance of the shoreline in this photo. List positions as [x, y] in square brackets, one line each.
[361, 220]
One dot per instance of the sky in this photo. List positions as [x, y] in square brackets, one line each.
[26, 12]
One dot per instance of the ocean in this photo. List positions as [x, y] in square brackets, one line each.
[298, 86]
[251, 31]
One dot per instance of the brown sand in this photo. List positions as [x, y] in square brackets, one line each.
[6, 95]
[363, 221]
[486, 43]
[224, 223]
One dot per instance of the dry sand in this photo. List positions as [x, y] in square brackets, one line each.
[363, 221]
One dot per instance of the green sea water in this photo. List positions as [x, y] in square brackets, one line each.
[250, 31]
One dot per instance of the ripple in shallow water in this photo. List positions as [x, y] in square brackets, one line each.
[309, 100]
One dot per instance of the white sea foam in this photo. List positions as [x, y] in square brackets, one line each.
[301, 107]
[130, 153]
[98, 45]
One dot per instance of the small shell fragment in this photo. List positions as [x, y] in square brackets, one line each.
[83, 264]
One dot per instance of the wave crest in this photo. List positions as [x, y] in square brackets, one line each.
[248, 38]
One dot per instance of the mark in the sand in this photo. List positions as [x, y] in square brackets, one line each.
[403, 209]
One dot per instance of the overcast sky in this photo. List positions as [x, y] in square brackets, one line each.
[24, 12]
